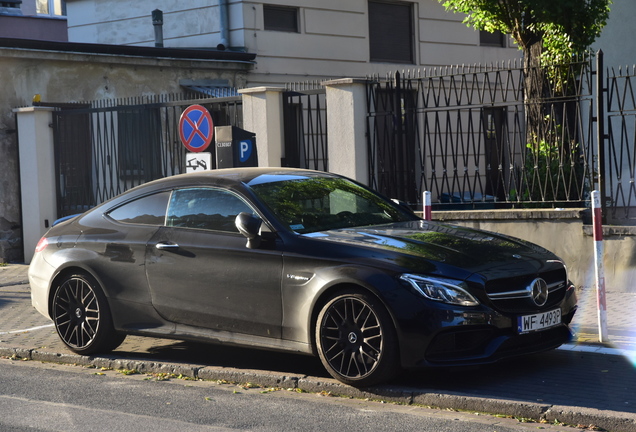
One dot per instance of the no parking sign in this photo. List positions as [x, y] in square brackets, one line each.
[196, 128]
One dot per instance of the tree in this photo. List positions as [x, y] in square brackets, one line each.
[550, 33]
[552, 30]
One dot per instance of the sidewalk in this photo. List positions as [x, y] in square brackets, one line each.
[581, 383]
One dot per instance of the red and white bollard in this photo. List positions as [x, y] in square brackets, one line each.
[600, 271]
[427, 206]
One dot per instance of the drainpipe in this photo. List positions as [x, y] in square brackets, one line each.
[157, 22]
[224, 24]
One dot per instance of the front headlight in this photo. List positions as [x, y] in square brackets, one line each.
[439, 289]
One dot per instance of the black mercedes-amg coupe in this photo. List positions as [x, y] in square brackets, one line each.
[302, 261]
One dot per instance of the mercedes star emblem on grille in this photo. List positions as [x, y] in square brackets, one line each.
[539, 290]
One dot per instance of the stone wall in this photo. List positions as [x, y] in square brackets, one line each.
[63, 77]
[565, 233]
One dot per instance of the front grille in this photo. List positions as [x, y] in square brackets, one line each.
[536, 341]
[513, 295]
[459, 344]
[486, 345]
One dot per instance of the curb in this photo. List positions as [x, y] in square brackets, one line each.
[542, 413]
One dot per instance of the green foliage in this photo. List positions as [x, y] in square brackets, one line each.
[564, 27]
[552, 33]
[552, 171]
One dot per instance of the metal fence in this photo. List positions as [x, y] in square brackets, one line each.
[458, 132]
[617, 137]
[104, 148]
[461, 133]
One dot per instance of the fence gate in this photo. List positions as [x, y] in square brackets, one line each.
[305, 128]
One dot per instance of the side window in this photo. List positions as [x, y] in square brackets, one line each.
[148, 210]
[210, 209]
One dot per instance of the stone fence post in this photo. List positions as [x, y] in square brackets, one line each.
[346, 128]
[263, 115]
[37, 174]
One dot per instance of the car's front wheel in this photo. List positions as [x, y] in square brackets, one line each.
[356, 340]
[82, 316]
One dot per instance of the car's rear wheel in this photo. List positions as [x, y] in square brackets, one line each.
[82, 316]
[356, 340]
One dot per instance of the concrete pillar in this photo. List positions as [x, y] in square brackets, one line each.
[263, 115]
[346, 128]
[37, 174]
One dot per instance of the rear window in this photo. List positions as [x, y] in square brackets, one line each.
[148, 210]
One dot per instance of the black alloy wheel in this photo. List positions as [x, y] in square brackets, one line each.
[82, 317]
[356, 340]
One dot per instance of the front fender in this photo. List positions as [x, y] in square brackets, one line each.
[304, 293]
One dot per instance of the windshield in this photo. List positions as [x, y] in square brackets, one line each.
[311, 204]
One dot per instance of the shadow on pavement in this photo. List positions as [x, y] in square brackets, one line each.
[569, 378]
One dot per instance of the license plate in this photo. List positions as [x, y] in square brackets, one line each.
[540, 321]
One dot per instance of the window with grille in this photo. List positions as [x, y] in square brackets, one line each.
[278, 18]
[391, 32]
[496, 39]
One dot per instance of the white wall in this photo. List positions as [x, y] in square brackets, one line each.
[617, 37]
[187, 23]
[619, 51]
[332, 42]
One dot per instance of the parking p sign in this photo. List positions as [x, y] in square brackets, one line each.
[245, 150]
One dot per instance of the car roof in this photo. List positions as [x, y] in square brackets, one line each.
[239, 175]
[226, 177]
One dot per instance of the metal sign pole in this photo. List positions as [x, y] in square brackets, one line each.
[600, 271]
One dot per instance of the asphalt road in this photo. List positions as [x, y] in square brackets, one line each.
[45, 397]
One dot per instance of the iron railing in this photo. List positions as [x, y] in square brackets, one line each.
[461, 133]
[106, 147]
[618, 135]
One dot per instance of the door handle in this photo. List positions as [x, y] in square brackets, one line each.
[166, 246]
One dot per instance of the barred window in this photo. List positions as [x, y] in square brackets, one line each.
[495, 39]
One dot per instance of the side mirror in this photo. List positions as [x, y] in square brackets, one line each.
[250, 227]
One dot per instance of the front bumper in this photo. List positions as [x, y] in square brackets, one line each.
[462, 337]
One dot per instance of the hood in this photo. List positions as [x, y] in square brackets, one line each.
[472, 250]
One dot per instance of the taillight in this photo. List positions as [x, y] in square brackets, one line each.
[42, 244]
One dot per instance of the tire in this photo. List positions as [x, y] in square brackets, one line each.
[82, 317]
[356, 340]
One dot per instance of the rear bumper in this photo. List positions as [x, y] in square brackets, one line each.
[40, 276]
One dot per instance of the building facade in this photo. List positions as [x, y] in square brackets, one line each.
[298, 40]
[33, 19]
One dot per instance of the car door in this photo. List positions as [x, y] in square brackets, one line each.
[201, 273]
